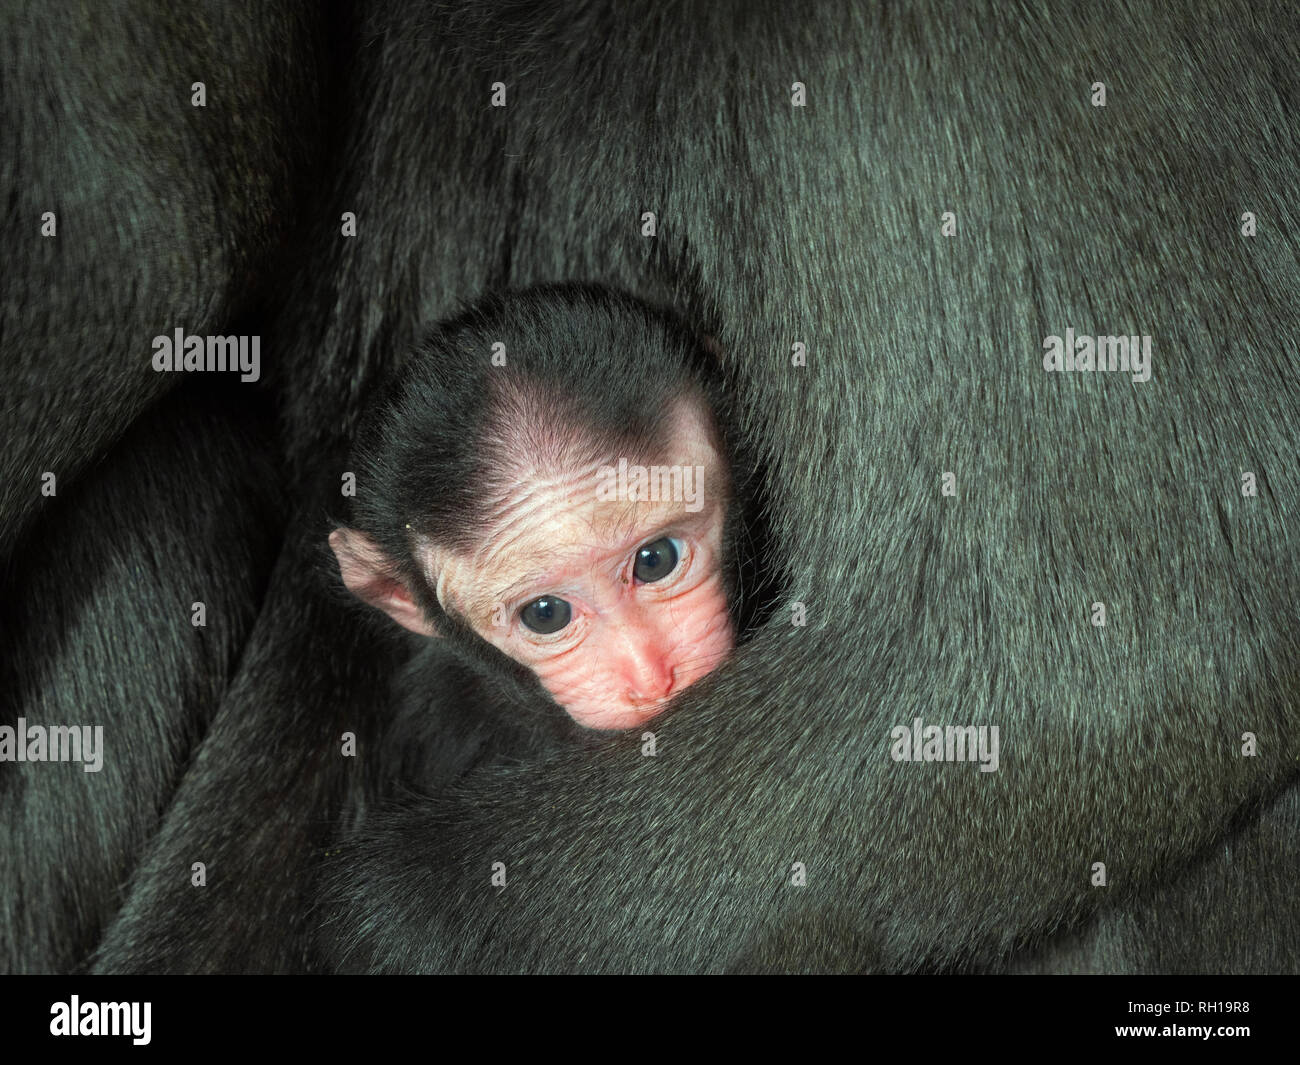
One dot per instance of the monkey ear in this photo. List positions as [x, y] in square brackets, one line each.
[365, 571]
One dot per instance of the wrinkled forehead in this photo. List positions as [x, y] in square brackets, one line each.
[557, 509]
[540, 445]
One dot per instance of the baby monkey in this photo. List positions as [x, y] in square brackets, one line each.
[551, 473]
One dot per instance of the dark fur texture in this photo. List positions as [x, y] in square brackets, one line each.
[96, 630]
[453, 714]
[822, 225]
[779, 225]
[168, 215]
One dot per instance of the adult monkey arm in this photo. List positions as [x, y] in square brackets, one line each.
[166, 214]
[1120, 744]
[129, 212]
[97, 629]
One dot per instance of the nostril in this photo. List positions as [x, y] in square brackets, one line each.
[650, 680]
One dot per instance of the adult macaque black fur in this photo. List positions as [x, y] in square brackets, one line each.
[820, 225]
[96, 627]
[167, 214]
[1121, 744]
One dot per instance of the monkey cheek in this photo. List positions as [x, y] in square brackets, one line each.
[707, 637]
[700, 656]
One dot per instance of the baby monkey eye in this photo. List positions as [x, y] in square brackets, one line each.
[655, 560]
[546, 614]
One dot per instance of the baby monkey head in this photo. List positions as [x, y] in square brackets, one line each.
[548, 473]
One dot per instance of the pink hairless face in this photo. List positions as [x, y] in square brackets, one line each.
[604, 579]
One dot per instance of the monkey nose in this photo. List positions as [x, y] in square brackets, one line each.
[650, 682]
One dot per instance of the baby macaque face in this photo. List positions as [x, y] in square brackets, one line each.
[606, 580]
